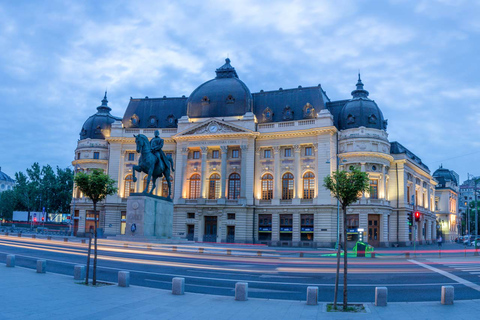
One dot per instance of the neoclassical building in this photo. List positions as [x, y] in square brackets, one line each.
[446, 203]
[6, 183]
[250, 166]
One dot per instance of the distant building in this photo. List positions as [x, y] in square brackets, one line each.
[446, 203]
[6, 183]
[250, 166]
[466, 200]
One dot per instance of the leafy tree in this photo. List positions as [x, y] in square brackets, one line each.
[8, 202]
[96, 185]
[347, 187]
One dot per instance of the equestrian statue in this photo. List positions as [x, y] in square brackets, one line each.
[153, 161]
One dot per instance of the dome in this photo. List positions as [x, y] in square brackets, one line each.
[361, 111]
[4, 177]
[224, 96]
[443, 176]
[97, 125]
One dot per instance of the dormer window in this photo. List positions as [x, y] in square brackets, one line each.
[152, 122]
[287, 113]
[230, 99]
[267, 114]
[205, 100]
[134, 120]
[171, 120]
[98, 130]
[308, 111]
[350, 119]
[372, 119]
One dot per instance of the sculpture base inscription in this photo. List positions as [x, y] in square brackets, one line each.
[149, 216]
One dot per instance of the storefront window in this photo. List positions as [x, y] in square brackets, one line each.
[264, 227]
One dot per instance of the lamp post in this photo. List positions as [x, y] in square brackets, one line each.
[72, 214]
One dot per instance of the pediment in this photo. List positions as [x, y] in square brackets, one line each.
[213, 127]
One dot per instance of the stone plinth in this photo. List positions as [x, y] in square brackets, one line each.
[151, 215]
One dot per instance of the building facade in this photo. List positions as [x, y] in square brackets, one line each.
[446, 203]
[250, 167]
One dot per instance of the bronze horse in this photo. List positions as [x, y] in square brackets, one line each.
[148, 164]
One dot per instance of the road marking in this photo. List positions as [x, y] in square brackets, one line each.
[449, 275]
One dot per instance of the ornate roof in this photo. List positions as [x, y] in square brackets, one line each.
[361, 111]
[99, 124]
[225, 95]
[5, 177]
[443, 176]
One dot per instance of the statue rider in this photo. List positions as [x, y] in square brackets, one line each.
[157, 144]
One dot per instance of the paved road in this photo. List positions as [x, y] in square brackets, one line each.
[281, 274]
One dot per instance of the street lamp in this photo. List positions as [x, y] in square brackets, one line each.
[72, 214]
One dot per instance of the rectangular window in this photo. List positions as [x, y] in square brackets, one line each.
[265, 227]
[196, 154]
[288, 152]
[231, 216]
[123, 222]
[96, 155]
[131, 156]
[78, 155]
[306, 227]
[235, 153]
[191, 215]
[308, 151]
[373, 189]
[286, 227]
[215, 154]
[266, 153]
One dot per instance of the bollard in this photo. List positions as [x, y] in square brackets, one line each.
[33, 236]
[407, 255]
[49, 238]
[447, 295]
[10, 260]
[178, 286]
[241, 291]
[381, 296]
[174, 248]
[125, 245]
[6, 233]
[83, 241]
[372, 255]
[149, 247]
[301, 254]
[41, 266]
[229, 252]
[123, 278]
[200, 250]
[19, 234]
[79, 272]
[259, 253]
[312, 296]
[65, 239]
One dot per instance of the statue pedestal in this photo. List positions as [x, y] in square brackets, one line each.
[149, 216]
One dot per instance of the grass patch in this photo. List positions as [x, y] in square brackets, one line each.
[355, 308]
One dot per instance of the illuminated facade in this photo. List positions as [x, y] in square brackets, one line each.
[250, 167]
[446, 203]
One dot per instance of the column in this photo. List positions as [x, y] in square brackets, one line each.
[181, 166]
[224, 150]
[243, 174]
[275, 227]
[298, 172]
[115, 169]
[203, 187]
[277, 180]
[296, 229]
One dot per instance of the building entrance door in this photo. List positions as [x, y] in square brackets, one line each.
[230, 234]
[210, 234]
[374, 230]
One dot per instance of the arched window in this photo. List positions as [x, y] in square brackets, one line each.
[165, 187]
[308, 185]
[287, 186]
[267, 186]
[195, 186]
[214, 186]
[234, 186]
[129, 185]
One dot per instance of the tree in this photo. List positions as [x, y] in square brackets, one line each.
[8, 202]
[96, 185]
[347, 187]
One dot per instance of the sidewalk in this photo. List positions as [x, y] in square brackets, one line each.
[24, 294]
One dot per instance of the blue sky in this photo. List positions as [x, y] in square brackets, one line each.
[418, 59]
